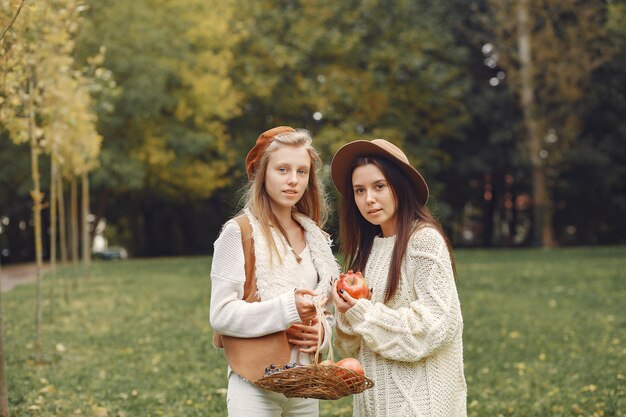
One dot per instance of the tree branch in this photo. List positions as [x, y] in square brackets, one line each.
[17, 12]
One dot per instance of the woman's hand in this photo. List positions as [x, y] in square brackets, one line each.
[344, 301]
[304, 305]
[305, 336]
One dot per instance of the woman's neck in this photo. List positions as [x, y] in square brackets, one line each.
[284, 217]
[293, 231]
[389, 229]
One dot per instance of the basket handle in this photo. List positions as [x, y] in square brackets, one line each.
[319, 310]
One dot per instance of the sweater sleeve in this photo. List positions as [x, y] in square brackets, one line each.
[429, 323]
[229, 313]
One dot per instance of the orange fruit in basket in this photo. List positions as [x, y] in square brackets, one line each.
[351, 364]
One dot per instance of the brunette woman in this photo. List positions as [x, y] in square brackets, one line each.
[408, 336]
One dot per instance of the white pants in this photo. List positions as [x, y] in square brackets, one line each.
[247, 400]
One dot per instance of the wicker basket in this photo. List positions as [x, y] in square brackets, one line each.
[324, 381]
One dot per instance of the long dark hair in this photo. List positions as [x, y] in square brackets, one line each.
[357, 234]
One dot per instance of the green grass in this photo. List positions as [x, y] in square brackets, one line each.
[545, 335]
[545, 331]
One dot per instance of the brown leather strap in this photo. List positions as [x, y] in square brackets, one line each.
[249, 357]
[250, 291]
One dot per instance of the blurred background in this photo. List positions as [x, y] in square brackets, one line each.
[124, 124]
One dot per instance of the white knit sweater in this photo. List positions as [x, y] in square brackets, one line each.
[411, 347]
[232, 316]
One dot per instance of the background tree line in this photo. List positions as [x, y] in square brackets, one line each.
[512, 109]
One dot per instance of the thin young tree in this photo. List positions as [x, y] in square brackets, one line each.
[37, 196]
[62, 233]
[86, 241]
[54, 174]
[74, 229]
[61, 218]
[4, 392]
[19, 118]
[79, 151]
[38, 88]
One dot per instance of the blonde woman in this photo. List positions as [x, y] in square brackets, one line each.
[294, 265]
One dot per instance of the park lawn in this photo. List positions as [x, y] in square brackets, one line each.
[545, 335]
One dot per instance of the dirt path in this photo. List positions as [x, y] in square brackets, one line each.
[12, 275]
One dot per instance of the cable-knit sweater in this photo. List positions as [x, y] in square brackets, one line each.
[411, 346]
[232, 316]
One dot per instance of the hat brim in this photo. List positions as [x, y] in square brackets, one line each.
[343, 158]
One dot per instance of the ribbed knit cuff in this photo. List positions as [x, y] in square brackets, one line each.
[356, 313]
[289, 301]
[343, 324]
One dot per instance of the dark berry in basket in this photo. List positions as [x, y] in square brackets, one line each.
[292, 365]
[272, 369]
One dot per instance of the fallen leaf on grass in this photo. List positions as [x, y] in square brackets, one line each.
[47, 389]
[99, 411]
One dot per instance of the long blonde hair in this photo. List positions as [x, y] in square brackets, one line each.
[313, 203]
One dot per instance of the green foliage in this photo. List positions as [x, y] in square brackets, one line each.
[562, 32]
[42, 75]
[598, 162]
[544, 334]
[179, 91]
[171, 61]
[368, 69]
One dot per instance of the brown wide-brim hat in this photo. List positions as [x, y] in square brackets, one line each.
[262, 142]
[345, 156]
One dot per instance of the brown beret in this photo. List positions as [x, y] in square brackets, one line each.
[255, 154]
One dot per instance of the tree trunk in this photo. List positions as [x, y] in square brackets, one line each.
[54, 174]
[62, 226]
[74, 220]
[543, 234]
[74, 227]
[37, 197]
[4, 394]
[85, 218]
[63, 236]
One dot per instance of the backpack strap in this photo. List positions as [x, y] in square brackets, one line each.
[250, 290]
